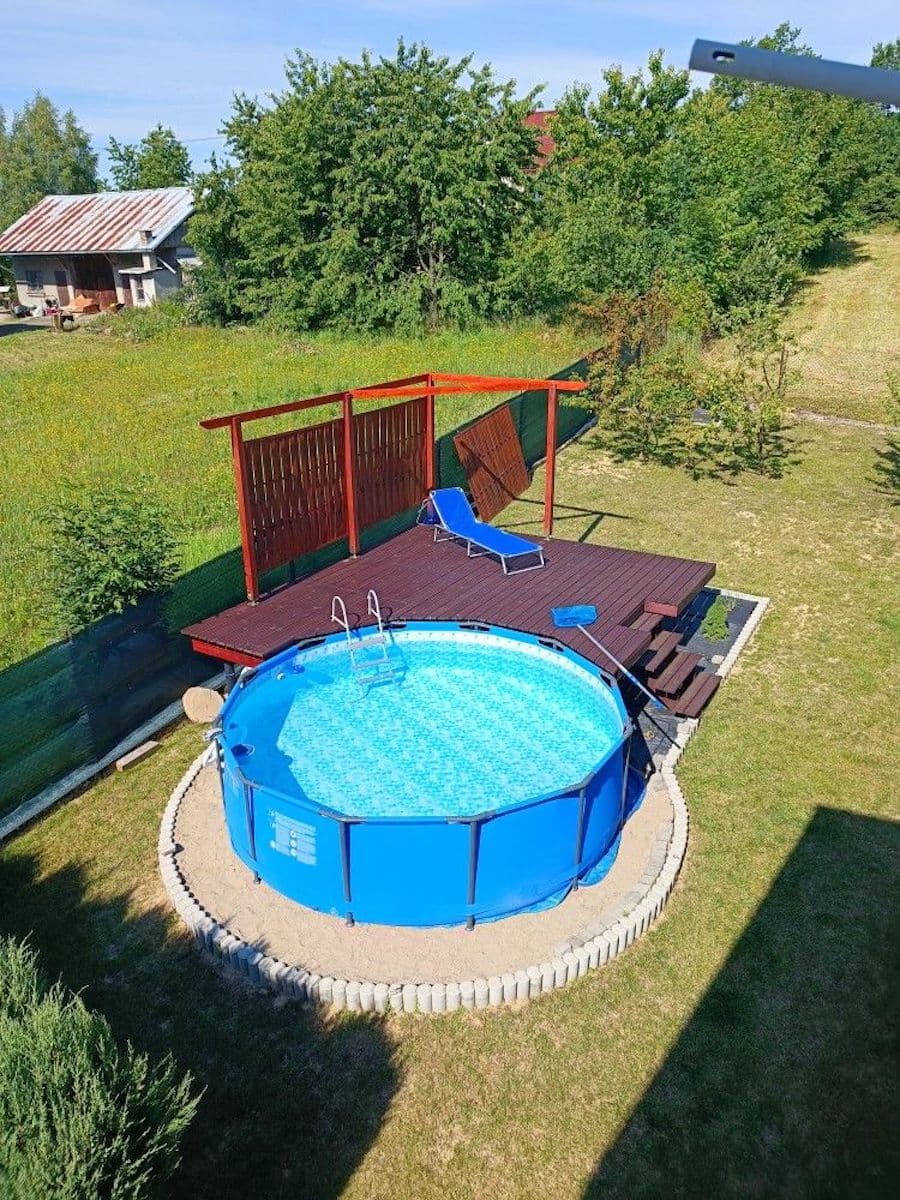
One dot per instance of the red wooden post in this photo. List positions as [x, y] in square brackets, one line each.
[251, 574]
[550, 461]
[350, 476]
[430, 478]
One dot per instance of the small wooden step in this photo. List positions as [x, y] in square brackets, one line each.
[660, 651]
[676, 674]
[695, 696]
[649, 622]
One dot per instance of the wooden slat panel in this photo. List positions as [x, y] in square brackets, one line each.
[491, 456]
[389, 444]
[296, 492]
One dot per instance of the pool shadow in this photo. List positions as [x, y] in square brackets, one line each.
[783, 1082]
[292, 1100]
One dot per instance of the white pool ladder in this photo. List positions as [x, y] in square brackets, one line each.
[377, 667]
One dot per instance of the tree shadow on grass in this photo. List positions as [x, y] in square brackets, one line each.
[292, 1101]
[887, 470]
[721, 459]
[783, 1082]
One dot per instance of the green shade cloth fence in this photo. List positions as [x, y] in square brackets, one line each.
[68, 705]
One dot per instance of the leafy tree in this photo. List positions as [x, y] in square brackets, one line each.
[42, 151]
[383, 192]
[159, 160]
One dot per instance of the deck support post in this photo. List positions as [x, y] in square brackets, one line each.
[350, 476]
[550, 460]
[430, 476]
[248, 550]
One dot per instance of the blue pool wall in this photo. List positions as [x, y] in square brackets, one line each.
[427, 871]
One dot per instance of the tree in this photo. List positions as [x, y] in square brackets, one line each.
[383, 192]
[42, 152]
[159, 160]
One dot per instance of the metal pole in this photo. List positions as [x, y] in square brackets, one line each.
[797, 70]
[251, 832]
[579, 832]
[345, 864]
[474, 827]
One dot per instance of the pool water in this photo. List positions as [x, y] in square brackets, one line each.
[471, 722]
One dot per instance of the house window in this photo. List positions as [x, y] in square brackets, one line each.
[34, 282]
[140, 296]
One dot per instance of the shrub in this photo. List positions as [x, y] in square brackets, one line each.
[715, 623]
[747, 401]
[106, 549]
[145, 324]
[80, 1118]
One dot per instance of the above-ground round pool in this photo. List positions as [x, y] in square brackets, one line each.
[483, 774]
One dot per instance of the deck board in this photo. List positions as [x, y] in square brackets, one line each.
[418, 580]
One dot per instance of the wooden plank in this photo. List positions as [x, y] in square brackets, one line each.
[696, 695]
[676, 674]
[491, 456]
[417, 580]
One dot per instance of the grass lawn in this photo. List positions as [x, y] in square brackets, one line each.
[88, 407]
[744, 1048]
[845, 319]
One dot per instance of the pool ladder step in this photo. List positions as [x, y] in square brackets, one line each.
[377, 667]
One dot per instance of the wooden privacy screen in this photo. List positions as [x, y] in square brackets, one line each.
[296, 485]
[491, 456]
[295, 492]
[389, 469]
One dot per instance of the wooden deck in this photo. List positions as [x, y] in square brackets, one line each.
[418, 580]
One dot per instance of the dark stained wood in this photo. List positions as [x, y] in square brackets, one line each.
[695, 696]
[390, 449]
[295, 492]
[491, 456]
[672, 680]
[417, 579]
[660, 651]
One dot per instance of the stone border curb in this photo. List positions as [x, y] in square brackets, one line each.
[590, 948]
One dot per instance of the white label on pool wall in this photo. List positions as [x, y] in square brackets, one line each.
[293, 838]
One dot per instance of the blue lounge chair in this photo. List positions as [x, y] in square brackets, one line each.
[455, 518]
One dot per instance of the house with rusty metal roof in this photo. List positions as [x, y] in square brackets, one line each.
[99, 250]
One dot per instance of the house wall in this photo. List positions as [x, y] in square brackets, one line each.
[156, 286]
[46, 266]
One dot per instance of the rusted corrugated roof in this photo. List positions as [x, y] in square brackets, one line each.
[101, 222]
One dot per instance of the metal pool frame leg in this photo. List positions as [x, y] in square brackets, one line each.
[344, 824]
[474, 824]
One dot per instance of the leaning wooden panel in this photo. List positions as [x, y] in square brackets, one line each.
[491, 456]
[389, 445]
[295, 492]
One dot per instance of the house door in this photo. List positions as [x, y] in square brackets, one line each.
[61, 279]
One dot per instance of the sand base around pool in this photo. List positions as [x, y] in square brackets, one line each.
[284, 930]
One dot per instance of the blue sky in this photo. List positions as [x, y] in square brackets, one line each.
[123, 65]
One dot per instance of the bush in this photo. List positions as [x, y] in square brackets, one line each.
[79, 1118]
[145, 324]
[106, 549]
[715, 623]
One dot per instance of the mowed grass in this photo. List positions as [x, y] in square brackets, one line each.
[87, 408]
[745, 1047]
[845, 321]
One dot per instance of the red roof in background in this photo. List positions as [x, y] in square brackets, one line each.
[538, 120]
[100, 221]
